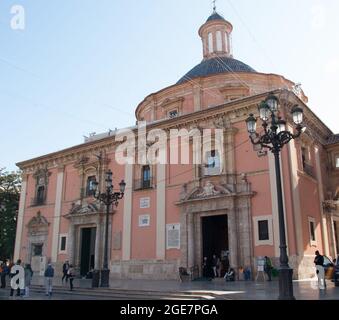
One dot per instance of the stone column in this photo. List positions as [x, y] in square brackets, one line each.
[57, 214]
[190, 240]
[127, 218]
[71, 243]
[161, 213]
[233, 238]
[97, 262]
[20, 218]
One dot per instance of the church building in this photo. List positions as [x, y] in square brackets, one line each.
[173, 215]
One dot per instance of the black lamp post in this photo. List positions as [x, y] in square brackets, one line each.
[274, 137]
[108, 198]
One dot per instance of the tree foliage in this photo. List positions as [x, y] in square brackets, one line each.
[10, 185]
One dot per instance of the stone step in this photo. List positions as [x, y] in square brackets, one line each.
[142, 294]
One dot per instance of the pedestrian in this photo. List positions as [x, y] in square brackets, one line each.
[268, 268]
[3, 275]
[49, 274]
[28, 278]
[16, 268]
[230, 275]
[205, 272]
[70, 275]
[214, 266]
[65, 268]
[319, 264]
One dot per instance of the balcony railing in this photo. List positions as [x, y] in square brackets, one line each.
[38, 201]
[141, 184]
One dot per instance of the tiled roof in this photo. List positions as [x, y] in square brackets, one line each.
[333, 139]
[215, 16]
[216, 66]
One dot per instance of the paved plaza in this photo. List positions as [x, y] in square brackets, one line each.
[174, 290]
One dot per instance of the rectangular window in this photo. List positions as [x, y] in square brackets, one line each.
[62, 243]
[337, 162]
[312, 231]
[89, 187]
[146, 177]
[263, 230]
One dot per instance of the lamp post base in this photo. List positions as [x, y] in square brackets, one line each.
[286, 284]
[104, 278]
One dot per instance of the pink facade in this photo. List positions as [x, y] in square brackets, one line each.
[172, 215]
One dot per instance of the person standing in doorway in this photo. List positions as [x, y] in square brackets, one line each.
[65, 268]
[214, 266]
[70, 276]
[49, 274]
[319, 264]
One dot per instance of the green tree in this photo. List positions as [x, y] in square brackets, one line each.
[10, 185]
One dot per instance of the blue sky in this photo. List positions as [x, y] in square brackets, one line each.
[83, 66]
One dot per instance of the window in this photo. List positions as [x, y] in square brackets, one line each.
[63, 243]
[89, 187]
[337, 162]
[263, 230]
[212, 164]
[312, 226]
[146, 177]
[173, 114]
[219, 41]
[210, 43]
[40, 198]
[226, 42]
[213, 159]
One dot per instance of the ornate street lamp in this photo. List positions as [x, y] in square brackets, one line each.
[274, 137]
[108, 198]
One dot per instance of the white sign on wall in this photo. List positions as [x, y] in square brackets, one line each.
[173, 236]
[145, 203]
[144, 220]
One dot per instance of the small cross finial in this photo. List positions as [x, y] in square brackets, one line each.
[214, 6]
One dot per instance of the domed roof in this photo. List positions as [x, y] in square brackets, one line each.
[215, 16]
[216, 66]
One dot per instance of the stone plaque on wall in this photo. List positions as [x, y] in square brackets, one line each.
[173, 236]
[117, 240]
[145, 203]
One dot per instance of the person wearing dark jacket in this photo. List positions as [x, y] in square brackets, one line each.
[3, 275]
[65, 268]
[319, 264]
[49, 274]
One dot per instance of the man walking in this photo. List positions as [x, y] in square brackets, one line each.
[49, 274]
[65, 268]
[319, 264]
